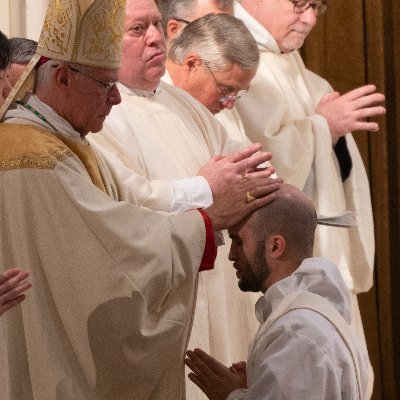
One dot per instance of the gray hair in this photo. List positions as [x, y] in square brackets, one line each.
[185, 9]
[22, 50]
[44, 74]
[220, 40]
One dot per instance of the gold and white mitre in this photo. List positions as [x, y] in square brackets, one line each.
[87, 32]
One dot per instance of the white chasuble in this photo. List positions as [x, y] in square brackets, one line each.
[164, 136]
[113, 284]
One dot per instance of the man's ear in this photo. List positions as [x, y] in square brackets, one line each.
[61, 76]
[192, 62]
[173, 28]
[275, 246]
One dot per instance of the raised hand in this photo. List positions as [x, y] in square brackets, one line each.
[349, 112]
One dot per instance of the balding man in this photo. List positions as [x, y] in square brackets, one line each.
[305, 347]
[114, 284]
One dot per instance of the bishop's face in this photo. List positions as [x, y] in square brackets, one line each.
[143, 52]
[91, 97]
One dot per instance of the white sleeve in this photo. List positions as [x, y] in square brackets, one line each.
[190, 193]
[127, 184]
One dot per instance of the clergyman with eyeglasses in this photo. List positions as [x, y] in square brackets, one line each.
[297, 116]
[214, 59]
[163, 148]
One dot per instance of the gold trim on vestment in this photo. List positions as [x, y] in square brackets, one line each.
[86, 155]
[27, 146]
[45, 162]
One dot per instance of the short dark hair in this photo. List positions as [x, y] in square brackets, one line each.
[291, 215]
[4, 51]
[22, 50]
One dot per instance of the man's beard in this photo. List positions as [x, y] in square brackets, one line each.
[257, 270]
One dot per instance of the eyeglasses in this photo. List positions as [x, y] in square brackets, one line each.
[108, 86]
[300, 6]
[226, 98]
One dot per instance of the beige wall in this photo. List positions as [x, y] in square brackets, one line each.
[22, 18]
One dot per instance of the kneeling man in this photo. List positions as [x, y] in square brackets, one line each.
[305, 347]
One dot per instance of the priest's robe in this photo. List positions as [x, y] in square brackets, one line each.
[279, 112]
[164, 136]
[113, 284]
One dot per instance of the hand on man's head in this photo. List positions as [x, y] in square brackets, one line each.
[238, 186]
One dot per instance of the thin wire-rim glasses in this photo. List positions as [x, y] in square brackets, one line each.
[226, 98]
[108, 86]
[300, 6]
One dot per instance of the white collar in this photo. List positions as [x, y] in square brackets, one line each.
[261, 35]
[131, 91]
[316, 275]
[56, 124]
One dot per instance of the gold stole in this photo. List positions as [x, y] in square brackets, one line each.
[29, 146]
[86, 155]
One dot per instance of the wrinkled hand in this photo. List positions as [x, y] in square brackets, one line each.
[12, 285]
[212, 377]
[232, 206]
[222, 172]
[232, 179]
[348, 112]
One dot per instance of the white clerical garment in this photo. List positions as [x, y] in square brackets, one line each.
[113, 284]
[164, 136]
[300, 354]
[279, 112]
[229, 118]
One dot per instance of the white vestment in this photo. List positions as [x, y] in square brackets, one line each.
[229, 118]
[301, 354]
[279, 112]
[113, 284]
[164, 136]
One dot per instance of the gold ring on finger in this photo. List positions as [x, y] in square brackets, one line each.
[249, 197]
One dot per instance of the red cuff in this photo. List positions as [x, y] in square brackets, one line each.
[210, 249]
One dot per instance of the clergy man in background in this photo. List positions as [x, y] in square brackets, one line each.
[158, 144]
[306, 125]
